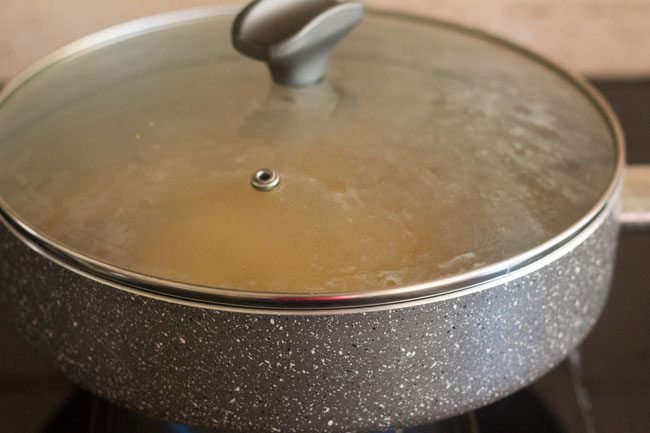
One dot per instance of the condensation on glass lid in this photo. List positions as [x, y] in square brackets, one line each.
[405, 166]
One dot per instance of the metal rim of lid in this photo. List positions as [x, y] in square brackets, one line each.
[231, 299]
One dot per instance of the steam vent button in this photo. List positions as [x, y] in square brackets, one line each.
[265, 179]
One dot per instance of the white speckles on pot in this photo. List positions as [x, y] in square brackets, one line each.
[365, 371]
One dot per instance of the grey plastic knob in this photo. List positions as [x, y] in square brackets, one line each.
[294, 37]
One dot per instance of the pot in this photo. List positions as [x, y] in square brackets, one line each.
[427, 229]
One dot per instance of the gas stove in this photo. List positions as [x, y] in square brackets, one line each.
[604, 387]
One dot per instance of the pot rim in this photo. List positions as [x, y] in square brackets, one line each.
[221, 298]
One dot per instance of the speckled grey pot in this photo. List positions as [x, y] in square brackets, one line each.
[359, 370]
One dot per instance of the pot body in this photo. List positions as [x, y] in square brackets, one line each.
[358, 370]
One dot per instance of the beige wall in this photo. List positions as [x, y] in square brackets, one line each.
[597, 37]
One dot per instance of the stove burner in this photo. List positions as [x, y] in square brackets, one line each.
[523, 412]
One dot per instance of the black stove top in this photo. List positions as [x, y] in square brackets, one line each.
[602, 388]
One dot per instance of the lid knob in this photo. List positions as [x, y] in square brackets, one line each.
[294, 37]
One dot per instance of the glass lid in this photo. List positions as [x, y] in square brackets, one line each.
[429, 154]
